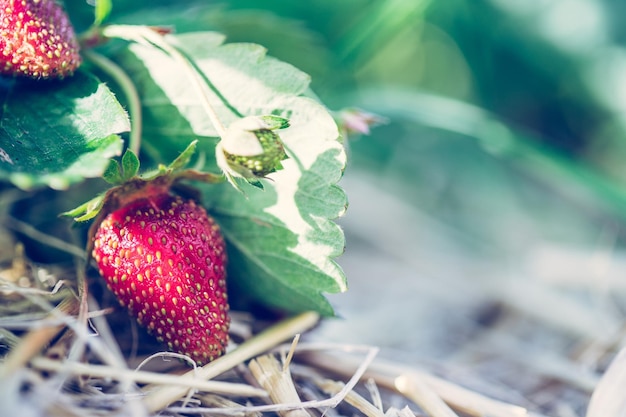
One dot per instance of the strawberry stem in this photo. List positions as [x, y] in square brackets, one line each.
[127, 85]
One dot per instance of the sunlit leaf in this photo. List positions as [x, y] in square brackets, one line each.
[282, 239]
[58, 133]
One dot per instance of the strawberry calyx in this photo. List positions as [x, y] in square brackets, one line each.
[128, 185]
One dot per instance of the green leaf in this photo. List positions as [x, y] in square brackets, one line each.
[183, 159]
[130, 165]
[240, 77]
[102, 11]
[58, 133]
[113, 173]
[173, 115]
[87, 210]
[282, 240]
[275, 122]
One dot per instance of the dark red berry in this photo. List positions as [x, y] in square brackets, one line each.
[164, 258]
[37, 39]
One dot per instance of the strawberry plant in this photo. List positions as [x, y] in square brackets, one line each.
[237, 190]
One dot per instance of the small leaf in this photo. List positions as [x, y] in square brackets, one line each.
[130, 165]
[255, 183]
[102, 11]
[93, 208]
[275, 122]
[86, 211]
[75, 212]
[183, 159]
[112, 174]
[206, 177]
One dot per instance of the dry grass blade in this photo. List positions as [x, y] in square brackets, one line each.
[413, 386]
[374, 392]
[109, 372]
[276, 379]
[549, 364]
[159, 398]
[334, 387]
[46, 239]
[217, 403]
[332, 402]
[551, 306]
[465, 400]
[404, 412]
[8, 339]
[387, 373]
[36, 339]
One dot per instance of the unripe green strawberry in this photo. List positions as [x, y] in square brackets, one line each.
[251, 149]
[267, 161]
[164, 258]
[37, 39]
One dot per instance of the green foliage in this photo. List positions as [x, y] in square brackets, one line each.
[241, 81]
[58, 133]
[183, 91]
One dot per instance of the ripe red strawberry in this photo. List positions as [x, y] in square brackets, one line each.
[37, 39]
[164, 258]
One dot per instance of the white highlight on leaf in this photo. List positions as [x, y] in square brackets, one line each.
[306, 142]
[240, 138]
[179, 90]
